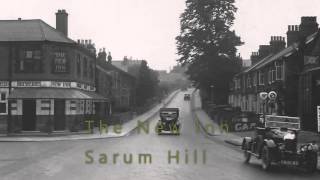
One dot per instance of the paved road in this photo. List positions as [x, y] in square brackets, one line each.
[67, 160]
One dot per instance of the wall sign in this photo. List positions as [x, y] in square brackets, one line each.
[52, 84]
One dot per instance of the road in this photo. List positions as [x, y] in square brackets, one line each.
[68, 160]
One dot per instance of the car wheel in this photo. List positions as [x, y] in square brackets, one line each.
[311, 162]
[265, 158]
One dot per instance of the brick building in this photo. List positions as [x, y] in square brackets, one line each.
[292, 71]
[47, 81]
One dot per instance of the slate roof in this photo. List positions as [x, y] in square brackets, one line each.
[30, 30]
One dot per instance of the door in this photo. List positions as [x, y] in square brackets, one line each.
[29, 115]
[59, 115]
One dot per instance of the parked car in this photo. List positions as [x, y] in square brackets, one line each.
[169, 121]
[278, 145]
[187, 97]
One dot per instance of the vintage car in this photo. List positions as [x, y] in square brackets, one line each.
[277, 143]
[186, 97]
[169, 121]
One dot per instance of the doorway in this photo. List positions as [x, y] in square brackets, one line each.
[29, 115]
[59, 115]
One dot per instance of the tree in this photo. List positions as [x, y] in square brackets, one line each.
[147, 83]
[208, 46]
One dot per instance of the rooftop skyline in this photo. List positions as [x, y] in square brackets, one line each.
[146, 29]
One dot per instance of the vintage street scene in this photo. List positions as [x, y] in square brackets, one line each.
[160, 90]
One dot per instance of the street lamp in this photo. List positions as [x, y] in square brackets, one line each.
[211, 92]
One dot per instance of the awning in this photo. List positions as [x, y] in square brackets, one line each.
[54, 93]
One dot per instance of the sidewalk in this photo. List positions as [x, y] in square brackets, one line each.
[210, 127]
[235, 138]
[126, 128]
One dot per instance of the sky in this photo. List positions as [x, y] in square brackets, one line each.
[146, 29]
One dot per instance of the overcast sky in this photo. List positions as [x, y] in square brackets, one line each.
[146, 29]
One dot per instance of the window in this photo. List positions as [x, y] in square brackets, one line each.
[249, 81]
[3, 103]
[255, 79]
[30, 62]
[279, 71]
[79, 65]
[60, 62]
[261, 78]
[3, 96]
[85, 67]
[269, 76]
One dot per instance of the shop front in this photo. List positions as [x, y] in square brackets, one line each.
[48, 110]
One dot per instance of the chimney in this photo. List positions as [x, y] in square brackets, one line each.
[308, 25]
[102, 55]
[254, 58]
[292, 34]
[109, 57]
[62, 21]
[277, 43]
[264, 51]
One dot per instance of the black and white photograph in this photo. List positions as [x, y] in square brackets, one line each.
[160, 90]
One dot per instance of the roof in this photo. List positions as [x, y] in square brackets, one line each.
[54, 93]
[283, 53]
[124, 65]
[30, 30]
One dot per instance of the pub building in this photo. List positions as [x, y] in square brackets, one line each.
[292, 71]
[47, 81]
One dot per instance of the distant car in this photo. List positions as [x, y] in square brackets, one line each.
[184, 89]
[278, 145]
[169, 121]
[187, 97]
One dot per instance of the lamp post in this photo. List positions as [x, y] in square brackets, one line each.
[211, 92]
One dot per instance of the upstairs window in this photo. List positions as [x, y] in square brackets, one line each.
[255, 79]
[85, 67]
[279, 70]
[78, 64]
[60, 62]
[30, 62]
[261, 78]
[249, 81]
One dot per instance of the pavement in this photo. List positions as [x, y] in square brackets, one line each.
[210, 127]
[114, 131]
[192, 155]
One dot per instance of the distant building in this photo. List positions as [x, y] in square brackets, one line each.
[121, 89]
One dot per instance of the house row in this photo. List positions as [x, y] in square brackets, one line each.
[49, 82]
[288, 66]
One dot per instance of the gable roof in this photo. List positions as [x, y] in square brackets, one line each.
[283, 53]
[30, 30]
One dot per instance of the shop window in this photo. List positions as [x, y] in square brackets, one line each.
[3, 103]
[60, 64]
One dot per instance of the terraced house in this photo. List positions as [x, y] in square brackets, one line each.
[47, 80]
[292, 71]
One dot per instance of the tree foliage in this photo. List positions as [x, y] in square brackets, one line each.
[207, 43]
[147, 83]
